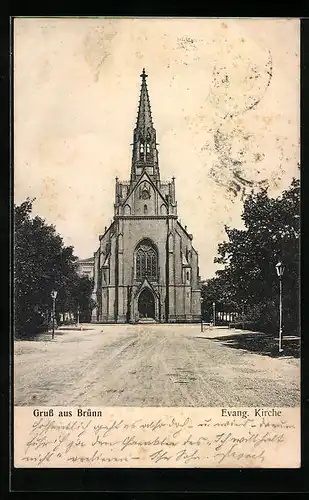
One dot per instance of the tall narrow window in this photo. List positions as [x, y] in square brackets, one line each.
[139, 260]
[141, 148]
[154, 264]
[147, 148]
[146, 262]
[145, 209]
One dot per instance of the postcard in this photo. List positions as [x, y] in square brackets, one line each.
[156, 241]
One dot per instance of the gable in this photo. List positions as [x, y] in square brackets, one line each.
[144, 199]
[145, 284]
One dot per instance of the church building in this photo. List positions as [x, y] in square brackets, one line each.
[146, 268]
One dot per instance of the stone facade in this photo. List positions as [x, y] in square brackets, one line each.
[146, 267]
[84, 267]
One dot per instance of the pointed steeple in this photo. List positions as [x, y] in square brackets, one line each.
[144, 118]
[145, 154]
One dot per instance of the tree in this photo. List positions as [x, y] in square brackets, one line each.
[42, 263]
[82, 297]
[272, 231]
[217, 290]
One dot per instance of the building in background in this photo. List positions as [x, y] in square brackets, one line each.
[85, 267]
[146, 268]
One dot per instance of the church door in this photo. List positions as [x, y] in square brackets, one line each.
[146, 304]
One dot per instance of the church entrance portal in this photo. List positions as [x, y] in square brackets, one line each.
[146, 304]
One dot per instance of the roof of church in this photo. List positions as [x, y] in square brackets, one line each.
[144, 118]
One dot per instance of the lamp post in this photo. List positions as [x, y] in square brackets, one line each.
[201, 300]
[78, 310]
[54, 296]
[280, 270]
[243, 314]
[214, 313]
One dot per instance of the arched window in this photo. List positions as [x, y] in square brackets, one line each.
[141, 148]
[163, 210]
[147, 148]
[145, 209]
[146, 261]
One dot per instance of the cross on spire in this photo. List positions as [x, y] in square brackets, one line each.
[143, 74]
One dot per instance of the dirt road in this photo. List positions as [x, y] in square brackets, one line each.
[149, 365]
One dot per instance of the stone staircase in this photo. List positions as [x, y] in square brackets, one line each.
[147, 320]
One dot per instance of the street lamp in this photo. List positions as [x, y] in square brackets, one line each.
[78, 310]
[280, 270]
[243, 314]
[54, 296]
[201, 300]
[214, 313]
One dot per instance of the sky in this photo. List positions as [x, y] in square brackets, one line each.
[224, 95]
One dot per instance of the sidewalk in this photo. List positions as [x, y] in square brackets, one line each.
[258, 342]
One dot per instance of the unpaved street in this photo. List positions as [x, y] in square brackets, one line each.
[149, 365]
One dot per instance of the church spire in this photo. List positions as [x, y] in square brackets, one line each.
[144, 118]
[145, 154]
